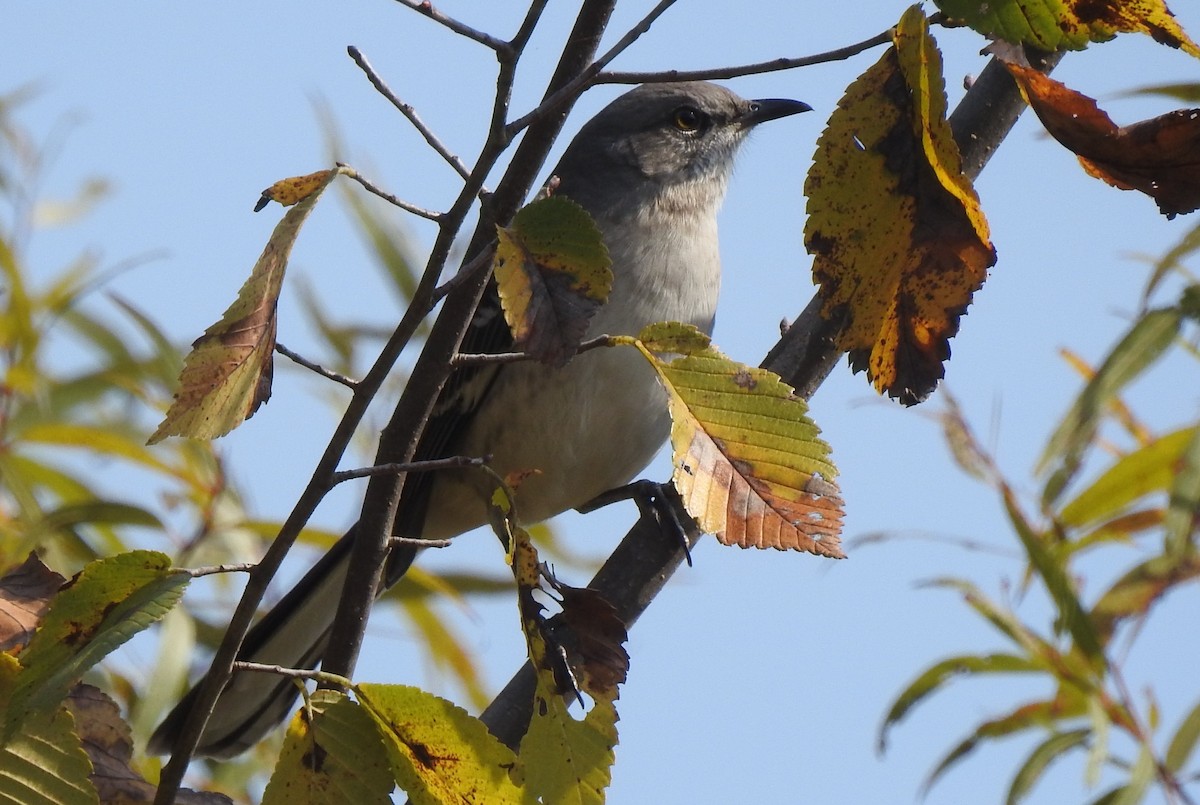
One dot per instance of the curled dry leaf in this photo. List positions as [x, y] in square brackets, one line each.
[25, 594]
[1159, 157]
[900, 244]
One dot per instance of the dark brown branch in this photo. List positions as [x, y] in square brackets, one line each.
[329, 374]
[640, 566]
[718, 73]
[429, 215]
[462, 29]
[408, 111]
[451, 463]
[470, 359]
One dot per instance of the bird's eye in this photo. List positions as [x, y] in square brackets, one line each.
[687, 119]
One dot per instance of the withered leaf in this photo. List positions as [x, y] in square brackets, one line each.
[227, 375]
[1159, 157]
[899, 241]
[25, 594]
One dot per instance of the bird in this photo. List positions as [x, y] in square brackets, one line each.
[652, 169]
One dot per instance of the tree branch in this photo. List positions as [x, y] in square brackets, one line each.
[462, 29]
[641, 564]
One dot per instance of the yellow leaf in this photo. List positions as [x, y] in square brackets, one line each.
[295, 189]
[438, 752]
[336, 758]
[899, 241]
[553, 273]
[1069, 24]
[227, 375]
[748, 461]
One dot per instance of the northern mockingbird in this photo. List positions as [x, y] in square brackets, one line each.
[651, 168]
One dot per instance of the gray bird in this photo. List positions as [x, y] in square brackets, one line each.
[652, 169]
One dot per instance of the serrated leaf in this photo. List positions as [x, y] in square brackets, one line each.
[1141, 346]
[899, 241]
[941, 673]
[749, 465]
[1156, 157]
[44, 763]
[438, 752]
[338, 758]
[1039, 759]
[553, 273]
[227, 375]
[107, 603]
[1068, 24]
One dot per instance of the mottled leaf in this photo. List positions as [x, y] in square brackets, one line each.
[553, 273]
[749, 464]
[335, 758]
[1069, 24]
[1156, 156]
[295, 189]
[227, 375]
[438, 752]
[107, 603]
[900, 244]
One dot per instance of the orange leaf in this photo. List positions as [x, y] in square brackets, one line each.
[1159, 157]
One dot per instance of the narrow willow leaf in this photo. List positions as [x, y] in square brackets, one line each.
[1183, 742]
[1141, 346]
[1039, 759]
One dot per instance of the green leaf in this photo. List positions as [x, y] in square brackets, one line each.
[1184, 504]
[44, 763]
[1054, 575]
[1039, 759]
[1151, 468]
[1132, 595]
[107, 603]
[437, 751]
[945, 671]
[1141, 346]
[1140, 777]
[1068, 24]
[1183, 742]
[338, 758]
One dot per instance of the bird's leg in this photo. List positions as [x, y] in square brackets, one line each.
[654, 500]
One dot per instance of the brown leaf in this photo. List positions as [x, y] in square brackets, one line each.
[25, 594]
[108, 743]
[899, 241]
[1159, 157]
[593, 638]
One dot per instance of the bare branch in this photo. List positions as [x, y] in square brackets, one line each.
[772, 66]
[426, 8]
[476, 359]
[211, 570]
[315, 367]
[417, 542]
[430, 215]
[291, 673]
[408, 111]
[451, 463]
[481, 261]
[572, 89]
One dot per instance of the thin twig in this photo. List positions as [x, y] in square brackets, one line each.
[417, 542]
[585, 78]
[391, 199]
[315, 367]
[291, 673]
[467, 272]
[772, 66]
[210, 570]
[408, 111]
[479, 359]
[426, 8]
[395, 468]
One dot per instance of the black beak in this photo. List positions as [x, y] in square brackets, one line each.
[772, 109]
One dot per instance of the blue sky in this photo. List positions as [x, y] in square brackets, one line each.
[757, 677]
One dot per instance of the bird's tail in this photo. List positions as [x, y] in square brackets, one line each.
[293, 634]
